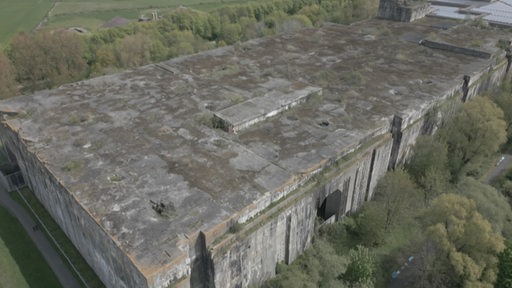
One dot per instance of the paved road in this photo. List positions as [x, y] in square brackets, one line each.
[502, 166]
[51, 256]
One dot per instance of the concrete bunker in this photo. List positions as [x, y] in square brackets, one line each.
[135, 133]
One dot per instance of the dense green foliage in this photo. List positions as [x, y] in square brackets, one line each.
[505, 268]
[475, 132]
[361, 269]
[8, 85]
[396, 199]
[428, 166]
[464, 240]
[504, 184]
[492, 204]
[320, 266]
[43, 60]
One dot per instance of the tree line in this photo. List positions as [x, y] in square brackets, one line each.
[435, 214]
[46, 59]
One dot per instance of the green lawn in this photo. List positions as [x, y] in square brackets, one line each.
[90, 21]
[10, 274]
[22, 265]
[92, 14]
[25, 15]
[21, 15]
[75, 7]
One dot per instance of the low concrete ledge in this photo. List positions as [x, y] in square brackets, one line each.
[245, 114]
[455, 49]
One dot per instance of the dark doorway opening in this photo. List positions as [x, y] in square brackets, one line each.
[330, 206]
[10, 174]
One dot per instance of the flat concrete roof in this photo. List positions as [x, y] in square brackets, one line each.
[118, 142]
[495, 12]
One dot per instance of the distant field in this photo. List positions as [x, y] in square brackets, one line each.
[90, 21]
[72, 7]
[21, 15]
[21, 264]
[25, 15]
[91, 14]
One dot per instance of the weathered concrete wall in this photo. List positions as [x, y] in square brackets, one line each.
[455, 49]
[359, 176]
[112, 266]
[253, 259]
[490, 79]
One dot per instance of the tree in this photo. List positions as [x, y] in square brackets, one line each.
[398, 195]
[133, 51]
[319, 266]
[182, 43]
[104, 59]
[370, 224]
[504, 101]
[361, 269]
[505, 268]
[504, 184]
[8, 85]
[231, 32]
[364, 8]
[293, 23]
[464, 240]
[315, 13]
[47, 59]
[490, 203]
[476, 131]
[428, 166]
[428, 153]
[396, 200]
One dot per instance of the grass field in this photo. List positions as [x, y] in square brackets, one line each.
[22, 265]
[25, 15]
[10, 274]
[21, 15]
[92, 14]
[87, 6]
[90, 21]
